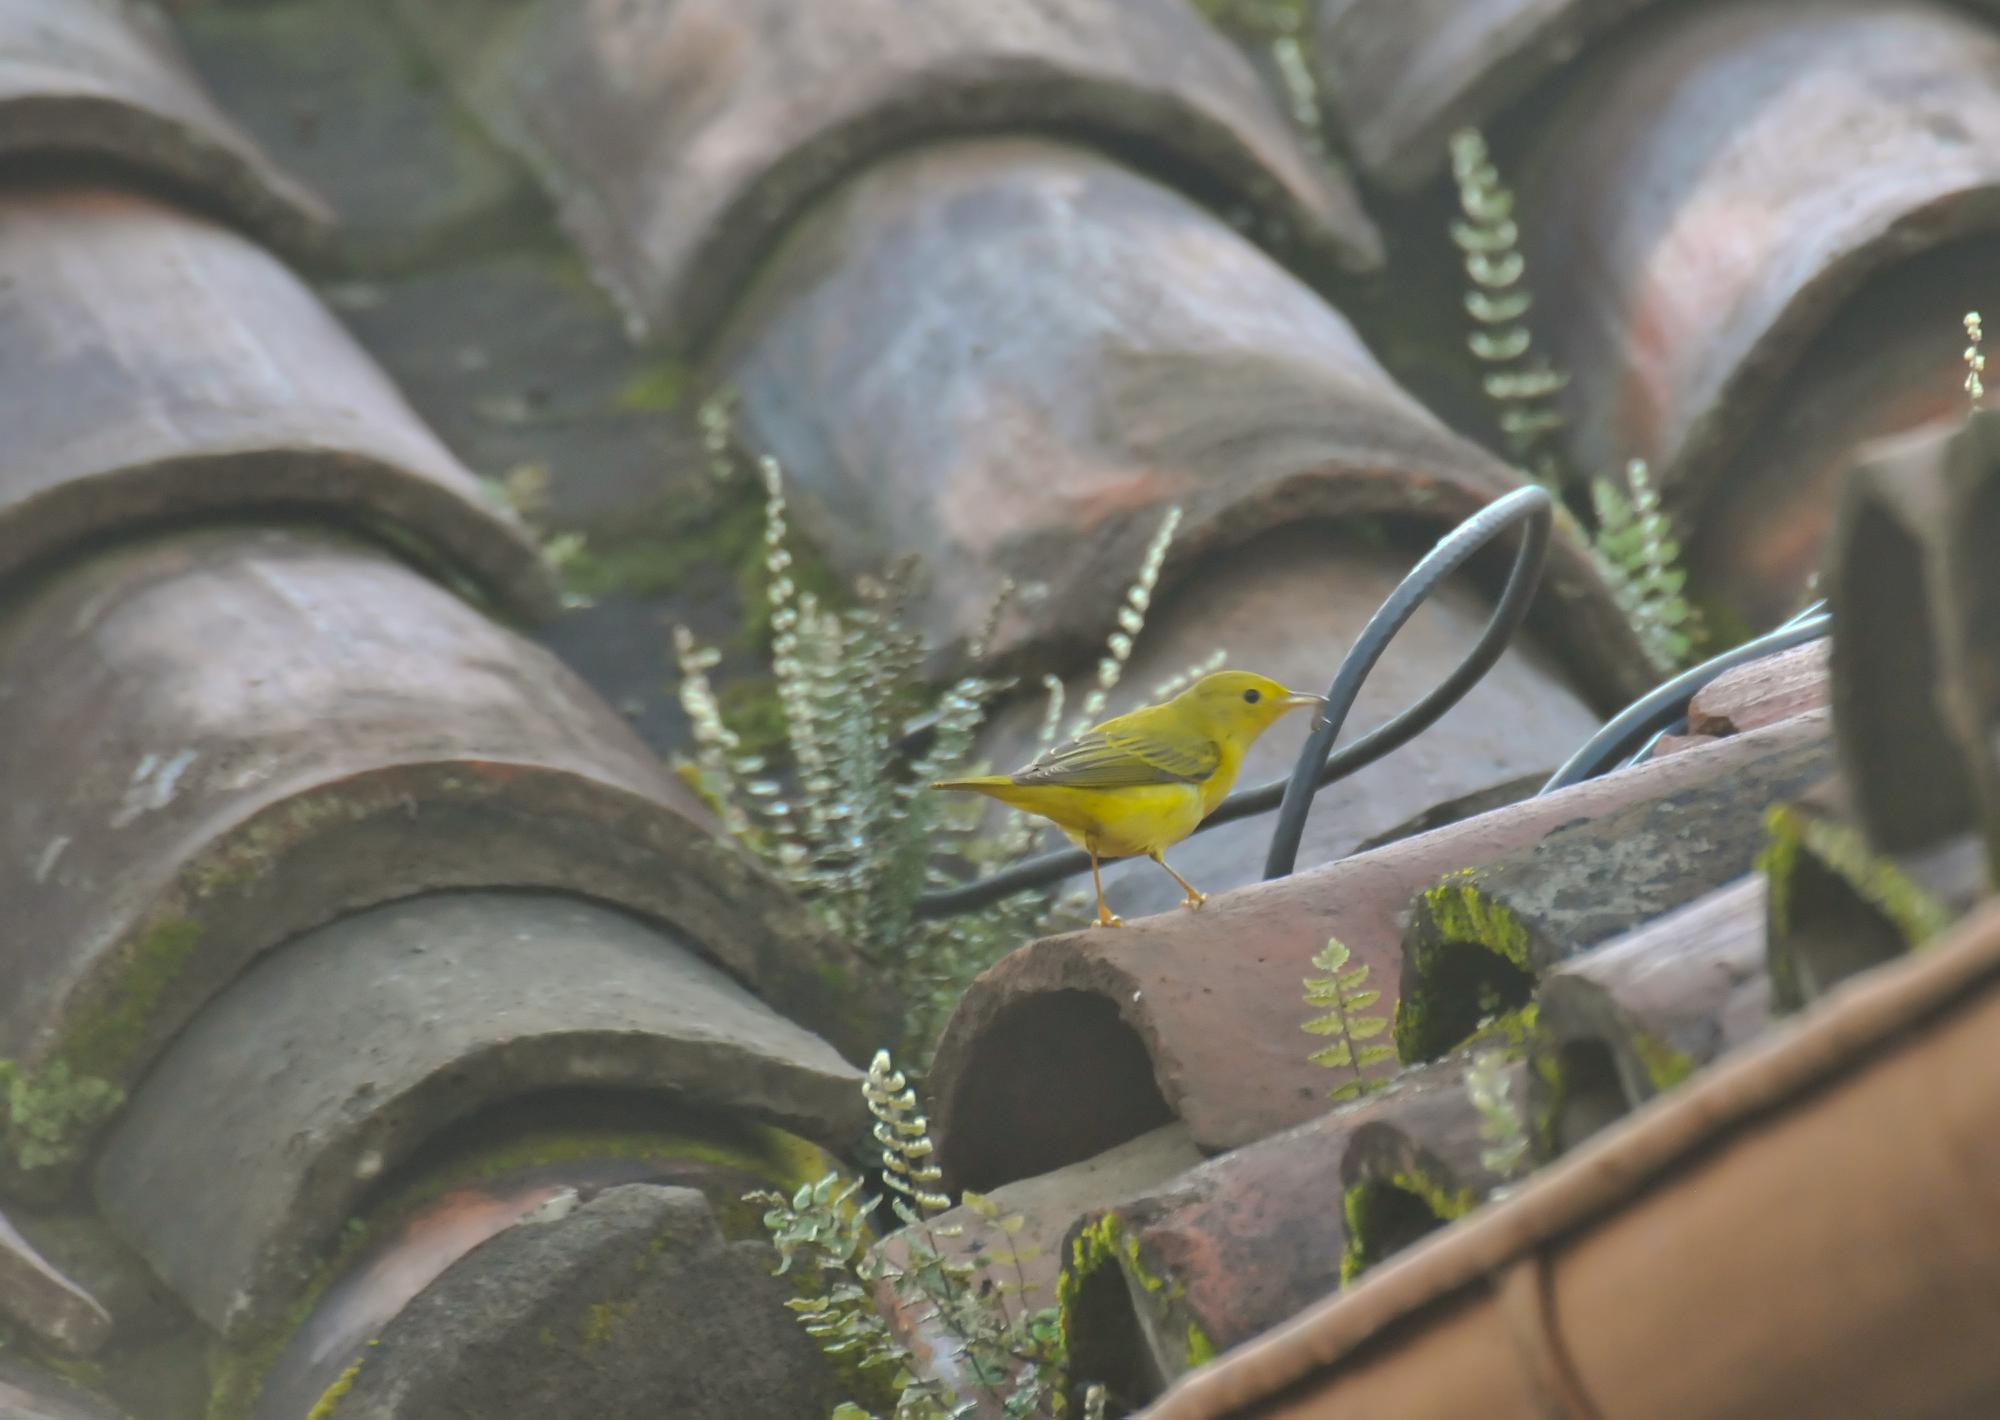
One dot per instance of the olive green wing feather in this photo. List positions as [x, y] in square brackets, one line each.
[1111, 757]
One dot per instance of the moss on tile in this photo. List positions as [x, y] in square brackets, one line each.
[601, 1322]
[1912, 912]
[330, 1398]
[1460, 912]
[1460, 920]
[51, 1112]
[1665, 1066]
[1512, 1033]
[656, 388]
[1373, 1207]
[776, 1158]
[103, 1038]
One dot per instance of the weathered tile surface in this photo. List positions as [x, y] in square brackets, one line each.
[359, 1040]
[242, 734]
[679, 140]
[164, 367]
[35, 1295]
[1717, 181]
[631, 1304]
[1009, 357]
[97, 80]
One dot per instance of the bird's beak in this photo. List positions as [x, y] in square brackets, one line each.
[1298, 697]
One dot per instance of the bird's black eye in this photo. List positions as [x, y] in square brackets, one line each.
[1251, 697]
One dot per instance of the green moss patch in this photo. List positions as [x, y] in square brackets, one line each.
[1469, 962]
[1386, 1215]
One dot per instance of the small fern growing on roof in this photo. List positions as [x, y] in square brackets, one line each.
[1634, 543]
[1975, 361]
[1279, 28]
[1012, 1356]
[1501, 1124]
[1344, 995]
[846, 819]
[1640, 557]
[1518, 381]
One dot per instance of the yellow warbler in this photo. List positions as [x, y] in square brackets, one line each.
[1141, 782]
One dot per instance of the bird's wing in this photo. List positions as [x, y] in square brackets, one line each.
[1112, 757]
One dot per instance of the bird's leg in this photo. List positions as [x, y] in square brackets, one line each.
[1105, 916]
[1195, 896]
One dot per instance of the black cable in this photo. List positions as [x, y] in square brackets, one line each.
[1668, 702]
[1532, 506]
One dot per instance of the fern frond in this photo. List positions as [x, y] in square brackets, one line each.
[1344, 996]
[1521, 386]
[1975, 361]
[1639, 556]
[1501, 1123]
[1131, 621]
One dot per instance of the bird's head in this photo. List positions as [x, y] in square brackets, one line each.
[1238, 706]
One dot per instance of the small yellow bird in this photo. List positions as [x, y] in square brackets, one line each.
[1143, 781]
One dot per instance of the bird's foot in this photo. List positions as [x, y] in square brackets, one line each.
[1108, 918]
[1193, 901]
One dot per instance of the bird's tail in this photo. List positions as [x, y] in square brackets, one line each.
[984, 784]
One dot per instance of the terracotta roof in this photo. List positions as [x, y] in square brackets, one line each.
[377, 996]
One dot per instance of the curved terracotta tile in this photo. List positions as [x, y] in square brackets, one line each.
[1481, 937]
[1718, 181]
[531, 1164]
[359, 1040]
[161, 367]
[93, 80]
[1239, 1243]
[239, 735]
[1888, 364]
[681, 140]
[28, 1392]
[1288, 605]
[1914, 591]
[34, 1295]
[1009, 356]
[1634, 1017]
[1197, 1016]
[633, 1303]
[1400, 76]
[1762, 693]
[1839, 908]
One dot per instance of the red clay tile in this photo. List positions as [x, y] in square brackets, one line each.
[1010, 356]
[531, 1163]
[1912, 584]
[1197, 1016]
[33, 1294]
[361, 1039]
[1481, 936]
[680, 140]
[1400, 76]
[1048, 1207]
[238, 735]
[633, 1303]
[1763, 692]
[107, 83]
[28, 1392]
[1717, 181]
[1887, 363]
[164, 367]
[1238, 1244]
[1838, 908]
[1632, 1018]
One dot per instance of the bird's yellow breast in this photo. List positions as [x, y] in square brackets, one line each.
[1125, 822]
